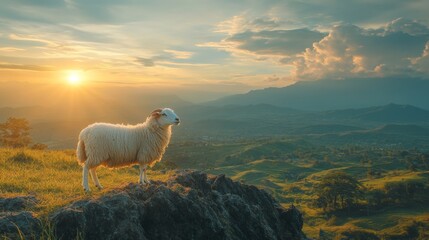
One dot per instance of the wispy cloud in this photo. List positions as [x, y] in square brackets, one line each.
[24, 67]
[179, 54]
[31, 38]
[10, 49]
[147, 62]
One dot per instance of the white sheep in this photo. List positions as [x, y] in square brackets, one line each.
[116, 146]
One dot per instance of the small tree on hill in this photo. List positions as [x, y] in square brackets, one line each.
[15, 133]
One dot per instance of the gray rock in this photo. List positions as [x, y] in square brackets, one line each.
[15, 222]
[190, 205]
[19, 225]
[15, 204]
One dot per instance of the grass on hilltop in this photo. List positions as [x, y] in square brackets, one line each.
[54, 177]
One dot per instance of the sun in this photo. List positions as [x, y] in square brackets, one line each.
[74, 78]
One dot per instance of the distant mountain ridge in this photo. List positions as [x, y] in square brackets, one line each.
[338, 94]
[387, 113]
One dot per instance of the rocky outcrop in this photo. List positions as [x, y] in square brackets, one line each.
[190, 205]
[14, 204]
[16, 222]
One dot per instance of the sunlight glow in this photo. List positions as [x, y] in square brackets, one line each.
[74, 78]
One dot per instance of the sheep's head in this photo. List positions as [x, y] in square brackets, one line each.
[165, 116]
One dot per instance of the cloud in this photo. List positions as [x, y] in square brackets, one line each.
[10, 49]
[242, 23]
[408, 26]
[275, 42]
[30, 38]
[43, 43]
[167, 57]
[350, 50]
[147, 62]
[262, 38]
[23, 67]
[179, 54]
[421, 63]
[275, 78]
[346, 50]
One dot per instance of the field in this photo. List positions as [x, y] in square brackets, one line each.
[288, 170]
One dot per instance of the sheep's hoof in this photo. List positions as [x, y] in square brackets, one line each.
[144, 183]
[147, 182]
[87, 190]
[99, 187]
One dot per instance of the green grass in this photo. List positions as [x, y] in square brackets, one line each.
[397, 176]
[292, 181]
[54, 177]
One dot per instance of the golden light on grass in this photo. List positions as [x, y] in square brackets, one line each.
[54, 177]
[74, 78]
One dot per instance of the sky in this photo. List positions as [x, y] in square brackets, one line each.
[205, 49]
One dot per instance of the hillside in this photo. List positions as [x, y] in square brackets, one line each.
[57, 207]
[338, 94]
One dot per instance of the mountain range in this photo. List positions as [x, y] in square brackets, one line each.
[338, 94]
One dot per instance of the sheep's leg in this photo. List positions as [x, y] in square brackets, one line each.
[95, 178]
[85, 178]
[143, 176]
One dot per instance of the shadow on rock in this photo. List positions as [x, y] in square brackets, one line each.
[190, 205]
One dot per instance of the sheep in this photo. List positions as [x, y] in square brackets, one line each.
[115, 146]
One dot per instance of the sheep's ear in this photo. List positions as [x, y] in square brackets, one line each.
[156, 112]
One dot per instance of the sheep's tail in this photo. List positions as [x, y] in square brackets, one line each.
[80, 152]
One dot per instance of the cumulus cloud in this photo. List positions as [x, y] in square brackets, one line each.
[346, 50]
[409, 26]
[349, 50]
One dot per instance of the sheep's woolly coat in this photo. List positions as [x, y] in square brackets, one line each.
[120, 145]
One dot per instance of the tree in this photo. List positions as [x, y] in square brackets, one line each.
[405, 191]
[337, 190]
[15, 133]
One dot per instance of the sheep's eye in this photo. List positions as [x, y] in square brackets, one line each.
[164, 114]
